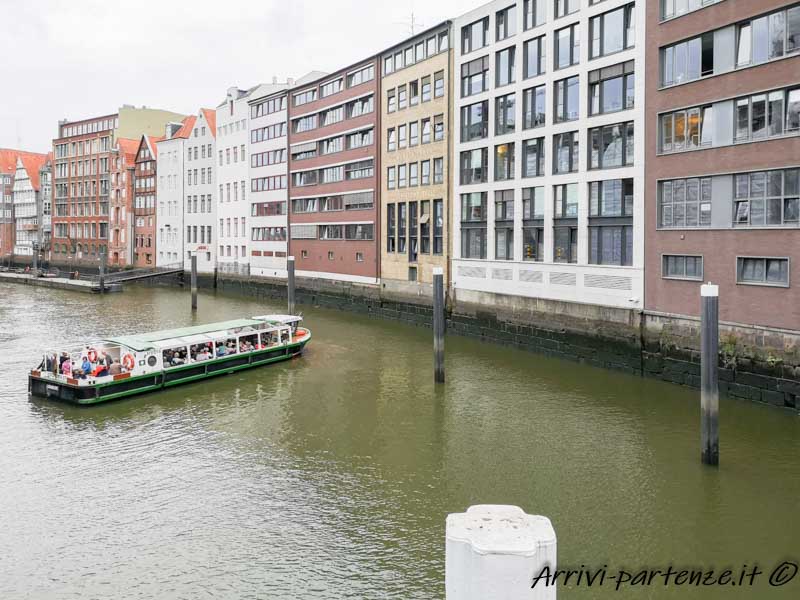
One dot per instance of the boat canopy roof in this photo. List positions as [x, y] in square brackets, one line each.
[285, 319]
[191, 335]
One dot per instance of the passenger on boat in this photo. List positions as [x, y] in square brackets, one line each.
[86, 368]
[100, 370]
[176, 359]
[202, 354]
[66, 367]
[63, 359]
[221, 349]
[115, 368]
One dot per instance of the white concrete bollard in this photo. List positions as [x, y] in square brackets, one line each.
[496, 551]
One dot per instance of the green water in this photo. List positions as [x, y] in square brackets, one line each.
[331, 476]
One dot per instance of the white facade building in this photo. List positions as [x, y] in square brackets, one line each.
[548, 148]
[170, 197]
[268, 160]
[200, 213]
[233, 208]
[25, 195]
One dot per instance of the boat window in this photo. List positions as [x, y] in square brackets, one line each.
[285, 335]
[201, 352]
[226, 347]
[270, 338]
[174, 357]
[248, 343]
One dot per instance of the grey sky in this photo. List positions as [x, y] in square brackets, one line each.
[87, 57]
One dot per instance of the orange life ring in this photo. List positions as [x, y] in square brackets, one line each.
[128, 362]
[92, 354]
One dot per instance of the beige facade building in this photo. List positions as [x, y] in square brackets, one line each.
[416, 147]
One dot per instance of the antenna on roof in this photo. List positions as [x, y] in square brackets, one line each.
[413, 24]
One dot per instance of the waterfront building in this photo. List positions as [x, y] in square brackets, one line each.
[416, 157]
[82, 155]
[200, 210]
[723, 159]
[8, 169]
[26, 199]
[44, 208]
[233, 208]
[170, 192]
[144, 202]
[120, 218]
[268, 165]
[334, 161]
[548, 137]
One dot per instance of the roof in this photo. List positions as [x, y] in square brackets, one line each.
[211, 118]
[128, 149]
[8, 159]
[146, 341]
[151, 143]
[188, 125]
[33, 163]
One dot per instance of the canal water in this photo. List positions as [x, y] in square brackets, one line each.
[331, 476]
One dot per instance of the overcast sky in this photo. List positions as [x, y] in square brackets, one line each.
[85, 58]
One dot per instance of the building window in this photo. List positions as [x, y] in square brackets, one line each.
[687, 129]
[767, 115]
[611, 245]
[413, 174]
[401, 218]
[566, 99]
[304, 97]
[438, 84]
[611, 198]
[401, 176]
[676, 8]
[534, 58]
[438, 170]
[535, 13]
[391, 100]
[401, 136]
[611, 89]
[391, 232]
[566, 7]
[361, 76]
[533, 107]
[533, 224]
[611, 146]
[506, 23]
[504, 114]
[473, 225]
[474, 77]
[438, 226]
[768, 37]
[565, 152]
[413, 228]
[565, 244]
[359, 231]
[688, 60]
[612, 31]
[390, 178]
[504, 224]
[426, 88]
[533, 157]
[566, 201]
[475, 36]
[504, 66]
[438, 128]
[767, 198]
[762, 271]
[677, 266]
[504, 161]
[475, 121]
[474, 166]
[413, 133]
[685, 203]
[567, 47]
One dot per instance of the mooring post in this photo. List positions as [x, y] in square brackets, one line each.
[438, 325]
[194, 282]
[102, 271]
[709, 382]
[35, 258]
[496, 551]
[290, 283]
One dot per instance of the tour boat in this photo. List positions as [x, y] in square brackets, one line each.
[134, 364]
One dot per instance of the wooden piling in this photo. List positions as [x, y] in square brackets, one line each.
[438, 325]
[194, 282]
[709, 382]
[290, 283]
[102, 271]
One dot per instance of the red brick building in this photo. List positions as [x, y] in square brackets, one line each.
[121, 200]
[334, 162]
[723, 159]
[144, 202]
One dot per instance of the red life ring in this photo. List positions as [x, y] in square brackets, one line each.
[128, 362]
[92, 354]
